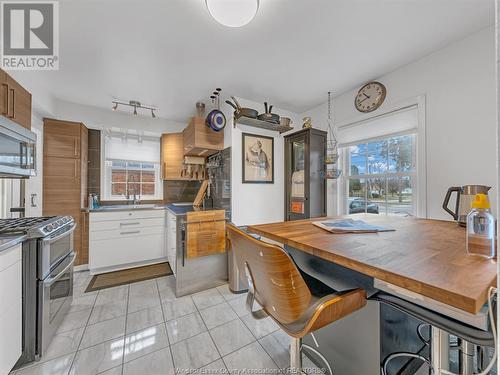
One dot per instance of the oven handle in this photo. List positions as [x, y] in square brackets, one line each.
[55, 238]
[51, 280]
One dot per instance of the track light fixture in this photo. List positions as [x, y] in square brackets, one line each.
[135, 104]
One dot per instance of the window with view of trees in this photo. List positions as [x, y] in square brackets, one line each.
[129, 178]
[381, 176]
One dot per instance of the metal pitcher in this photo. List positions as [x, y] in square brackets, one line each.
[464, 197]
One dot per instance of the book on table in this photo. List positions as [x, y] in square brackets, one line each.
[350, 226]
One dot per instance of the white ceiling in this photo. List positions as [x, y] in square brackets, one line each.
[171, 53]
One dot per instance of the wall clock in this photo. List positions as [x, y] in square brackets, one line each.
[370, 97]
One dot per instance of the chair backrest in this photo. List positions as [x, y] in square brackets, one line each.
[278, 285]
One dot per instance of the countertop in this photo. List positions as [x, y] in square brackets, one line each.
[6, 242]
[427, 257]
[176, 210]
[116, 208]
[183, 210]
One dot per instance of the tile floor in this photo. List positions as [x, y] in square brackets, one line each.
[144, 329]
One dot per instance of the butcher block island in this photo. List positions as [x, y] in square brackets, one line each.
[426, 257]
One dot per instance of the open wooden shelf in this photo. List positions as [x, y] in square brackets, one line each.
[256, 123]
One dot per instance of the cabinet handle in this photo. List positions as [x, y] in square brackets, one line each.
[75, 144]
[124, 224]
[6, 100]
[131, 232]
[33, 196]
[13, 103]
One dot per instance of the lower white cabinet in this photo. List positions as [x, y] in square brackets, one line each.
[171, 240]
[124, 239]
[11, 313]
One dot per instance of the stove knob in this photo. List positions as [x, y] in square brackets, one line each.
[47, 228]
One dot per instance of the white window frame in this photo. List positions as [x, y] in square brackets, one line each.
[420, 157]
[107, 183]
[106, 178]
[412, 174]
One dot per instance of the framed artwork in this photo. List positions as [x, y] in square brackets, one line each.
[258, 159]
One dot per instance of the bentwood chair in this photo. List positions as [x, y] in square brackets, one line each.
[297, 302]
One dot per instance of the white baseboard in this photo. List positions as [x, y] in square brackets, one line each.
[81, 268]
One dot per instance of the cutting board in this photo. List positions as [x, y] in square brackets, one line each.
[201, 194]
[206, 233]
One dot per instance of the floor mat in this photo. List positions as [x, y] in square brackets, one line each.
[133, 275]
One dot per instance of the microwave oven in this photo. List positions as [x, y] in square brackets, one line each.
[17, 150]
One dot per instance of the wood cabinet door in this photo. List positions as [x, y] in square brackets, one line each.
[19, 103]
[61, 139]
[172, 155]
[4, 92]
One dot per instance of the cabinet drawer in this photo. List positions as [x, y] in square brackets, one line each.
[122, 215]
[122, 251]
[126, 224]
[126, 232]
[9, 257]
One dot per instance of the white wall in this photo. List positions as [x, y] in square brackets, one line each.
[256, 203]
[459, 85]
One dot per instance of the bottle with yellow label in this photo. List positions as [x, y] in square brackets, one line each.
[481, 228]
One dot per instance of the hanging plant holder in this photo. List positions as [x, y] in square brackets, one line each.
[332, 155]
[332, 152]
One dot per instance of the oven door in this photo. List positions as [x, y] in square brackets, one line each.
[55, 299]
[55, 248]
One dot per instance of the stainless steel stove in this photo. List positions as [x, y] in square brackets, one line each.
[34, 227]
[48, 258]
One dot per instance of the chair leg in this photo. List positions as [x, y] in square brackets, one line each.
[295, 355]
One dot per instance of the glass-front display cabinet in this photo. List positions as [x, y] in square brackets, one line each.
[305, 183]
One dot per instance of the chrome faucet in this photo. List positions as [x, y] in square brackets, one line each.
[135, 200]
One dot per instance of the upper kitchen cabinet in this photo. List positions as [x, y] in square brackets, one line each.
[200, 140]
[172, 156]
[62, 139]
[15, 101]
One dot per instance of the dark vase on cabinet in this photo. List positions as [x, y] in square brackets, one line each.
[305, 183]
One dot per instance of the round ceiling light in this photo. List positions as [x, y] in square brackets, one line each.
[233, 13]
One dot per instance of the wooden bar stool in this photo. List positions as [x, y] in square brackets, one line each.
[297, 302]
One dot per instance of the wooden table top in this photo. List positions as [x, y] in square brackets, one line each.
[424, 256]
